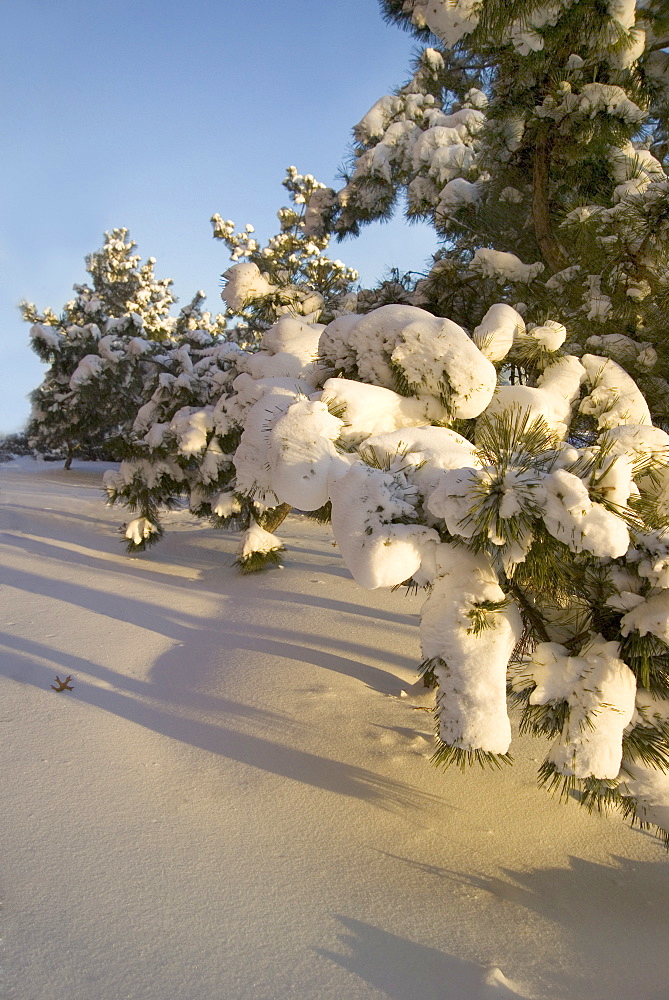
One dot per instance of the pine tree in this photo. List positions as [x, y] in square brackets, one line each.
[533, 136]
[185, 437]
[502, 447]
[291, 275]
[534, 512]
[98, 351]
[505, 458]
[170, 450]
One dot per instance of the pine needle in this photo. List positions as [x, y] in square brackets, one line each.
[447, 756]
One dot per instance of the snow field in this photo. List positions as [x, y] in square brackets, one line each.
[235, 801]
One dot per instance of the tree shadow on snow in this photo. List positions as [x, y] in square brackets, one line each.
[615, 917]
[36, 653]
[179, 696]
[156, 707]
[348, 607]
[325, 569]
[108, 556]
[40, 513]
[405, 970]
[222, 635]
[233, 744]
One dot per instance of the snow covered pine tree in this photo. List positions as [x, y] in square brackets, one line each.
[533, 132]
[184, 438]
[536, 514]
[534, 137]
[169, 450]
[97, 351]
[518, 460]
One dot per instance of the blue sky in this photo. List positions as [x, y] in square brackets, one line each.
[155, 115]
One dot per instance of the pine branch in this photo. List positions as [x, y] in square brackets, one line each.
[446, 755]
[275, 516]
[255, 562]
[529, 612]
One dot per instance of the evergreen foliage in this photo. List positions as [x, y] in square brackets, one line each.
[13, 445]
[184, 438]
[291, 275]
[170, 450]
[537, 131]
[534, 137]
[98, 351]
[540, 527]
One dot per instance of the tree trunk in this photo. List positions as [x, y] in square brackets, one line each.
[551, 250]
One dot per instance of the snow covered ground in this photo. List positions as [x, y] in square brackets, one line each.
[234, 802]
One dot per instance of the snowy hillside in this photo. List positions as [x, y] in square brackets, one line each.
[235, 799]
